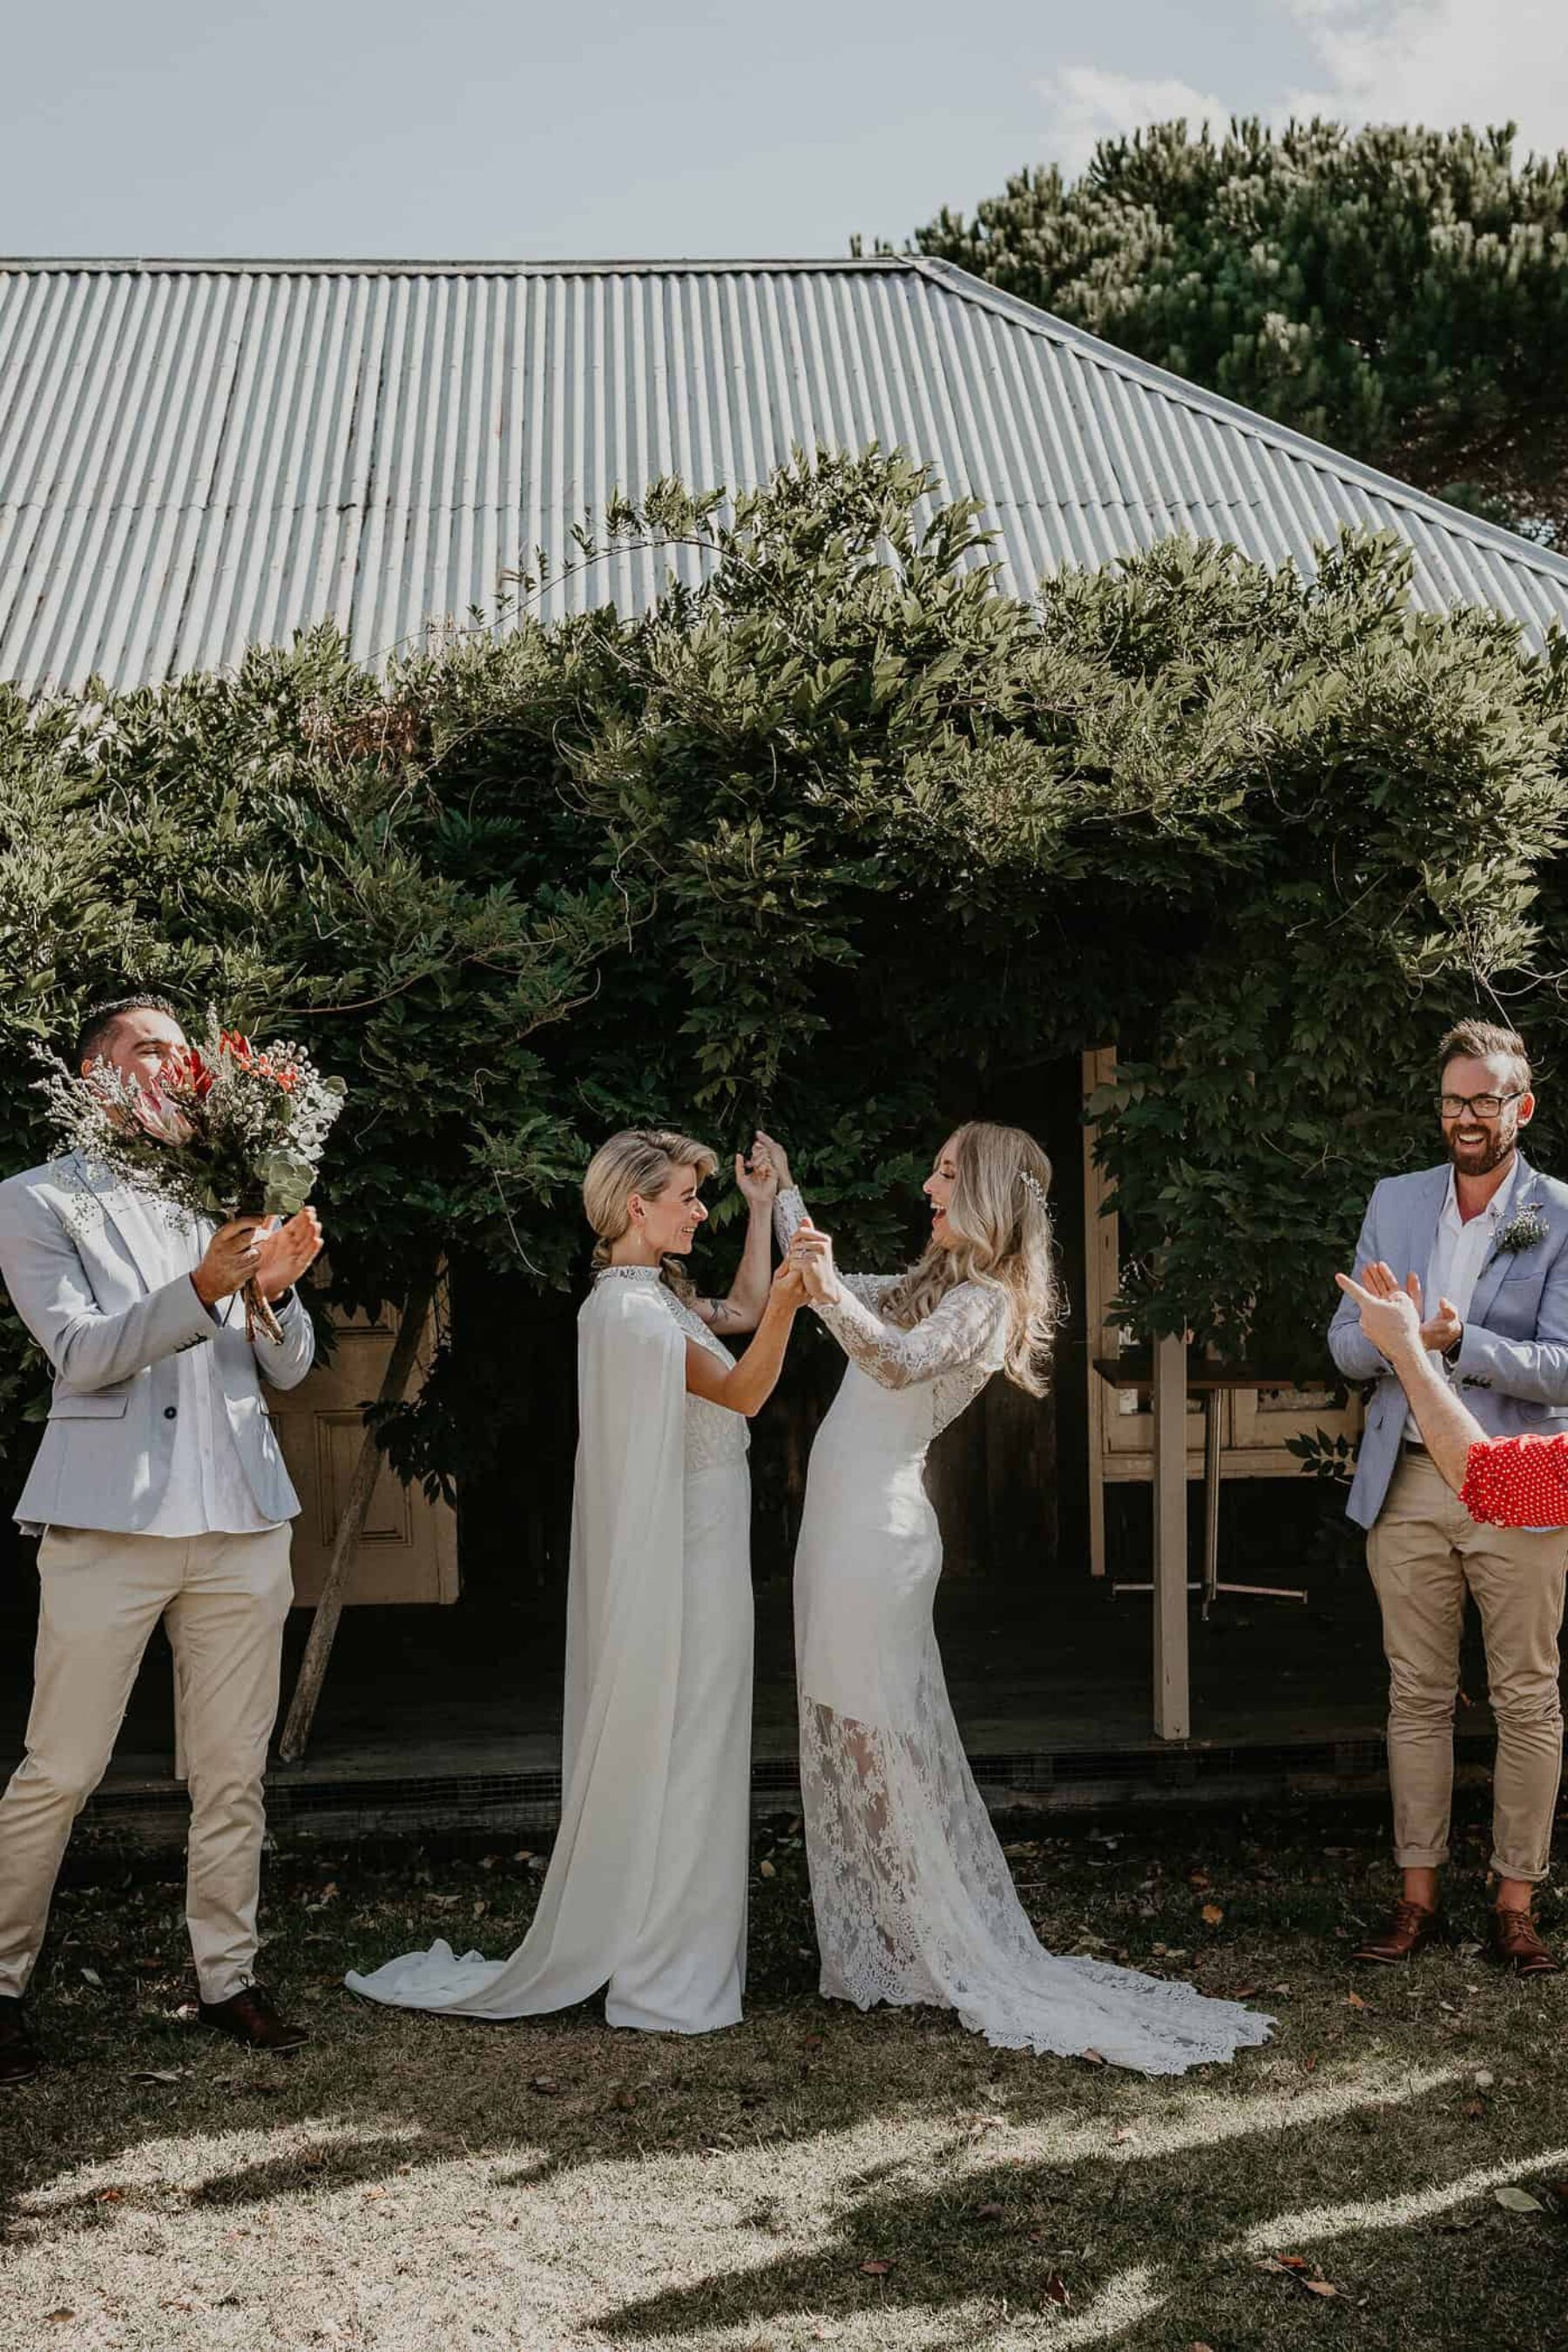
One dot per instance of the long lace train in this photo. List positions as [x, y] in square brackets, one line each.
[914, 1902]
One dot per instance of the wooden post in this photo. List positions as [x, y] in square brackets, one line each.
[356, 1503]
[1173, 1700]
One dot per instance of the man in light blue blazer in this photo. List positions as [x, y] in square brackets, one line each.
[1481, 1241]
[158, 1492]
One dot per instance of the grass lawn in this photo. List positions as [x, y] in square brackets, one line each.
[878, 2182]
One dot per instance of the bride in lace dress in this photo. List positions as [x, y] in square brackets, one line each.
[913, 1899]
[645, 1892]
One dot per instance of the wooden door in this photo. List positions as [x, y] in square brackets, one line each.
[408, 1551]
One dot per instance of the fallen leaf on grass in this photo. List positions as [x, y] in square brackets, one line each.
[1056, 2289]
[545, 2085]
[874, 2267]
[1354, 2000]
[1211, 1914]
[766, 1870]
[1091, 2058]
[1296, 2266]
[990, 2212]
[61, 2313]
[1517, 2200]
[1483, 2078]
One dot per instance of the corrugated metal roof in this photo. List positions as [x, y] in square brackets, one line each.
[196, 457]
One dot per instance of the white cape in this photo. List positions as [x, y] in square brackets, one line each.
[623, 1658]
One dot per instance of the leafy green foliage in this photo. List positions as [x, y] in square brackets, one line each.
[843, 841]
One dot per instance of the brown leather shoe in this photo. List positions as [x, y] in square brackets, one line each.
[1512, 1943]
[20, 2056]
[1408, 1929]
[251, 2016]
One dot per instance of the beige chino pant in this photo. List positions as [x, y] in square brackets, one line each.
[1426, 1553]
[223, 1599]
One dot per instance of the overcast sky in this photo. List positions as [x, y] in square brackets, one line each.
[485, 130]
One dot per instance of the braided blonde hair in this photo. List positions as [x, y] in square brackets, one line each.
[1000, 1214]
[639, 1159]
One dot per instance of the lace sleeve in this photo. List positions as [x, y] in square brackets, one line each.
[789, 1209]
[789, 1213]
[958, 1333]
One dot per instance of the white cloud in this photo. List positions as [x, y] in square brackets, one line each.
[1440, 62]
[1086, 104]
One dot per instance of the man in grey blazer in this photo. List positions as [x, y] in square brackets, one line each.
[1482, 1244]
[158, 1492]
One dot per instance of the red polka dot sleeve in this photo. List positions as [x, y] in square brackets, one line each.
[1517, 1482]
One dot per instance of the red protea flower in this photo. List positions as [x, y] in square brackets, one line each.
[188, 1072]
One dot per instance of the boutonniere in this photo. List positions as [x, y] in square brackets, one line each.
[1523, 1230]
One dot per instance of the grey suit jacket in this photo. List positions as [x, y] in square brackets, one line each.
[99, 1274]
[1513, 1365]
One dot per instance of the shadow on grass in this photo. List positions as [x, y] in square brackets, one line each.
[1131, 2243]
[892, 2137]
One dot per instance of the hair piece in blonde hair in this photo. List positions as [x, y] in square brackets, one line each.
[1000, 1214]
[640, 1160]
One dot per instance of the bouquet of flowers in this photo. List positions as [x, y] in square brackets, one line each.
[227, 1129]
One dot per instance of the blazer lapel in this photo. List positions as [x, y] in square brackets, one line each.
[1421, 1233]
[1527, 1194]
[149, 1234]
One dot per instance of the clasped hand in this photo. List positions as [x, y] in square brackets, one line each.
[811, 1250]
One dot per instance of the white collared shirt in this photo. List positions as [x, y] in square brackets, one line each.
[1460, 1251]
[207, 1491]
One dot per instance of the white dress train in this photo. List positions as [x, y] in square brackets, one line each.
[645, 1892]
[913, 1898]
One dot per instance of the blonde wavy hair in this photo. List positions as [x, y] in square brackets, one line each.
[639, 1159]
[999, 1211]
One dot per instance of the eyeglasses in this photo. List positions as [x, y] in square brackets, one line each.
[1483, 1105]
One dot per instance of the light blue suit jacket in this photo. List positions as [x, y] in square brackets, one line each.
[1513, 1365]
[99, 1274]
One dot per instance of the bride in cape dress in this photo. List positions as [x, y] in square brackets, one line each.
[913, 1898]
[646, 1891]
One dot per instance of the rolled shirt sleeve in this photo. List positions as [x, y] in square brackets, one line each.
[1517, 1482]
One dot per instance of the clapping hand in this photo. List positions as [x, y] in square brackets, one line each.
[812, 1251]
[1439, 1331]
[1391, 1312]
[284, 1253]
